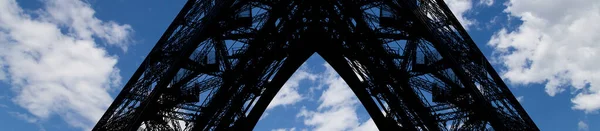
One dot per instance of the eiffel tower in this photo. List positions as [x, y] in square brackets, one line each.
[221, 62]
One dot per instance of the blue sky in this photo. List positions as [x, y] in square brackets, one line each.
[62, 62]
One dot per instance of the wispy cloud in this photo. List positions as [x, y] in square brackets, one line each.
[53, 62]
[520, 98]
[337, 108]
[582, 126]
[486, 2]
[288, 95]
[24, 117]
[284, 129]
[28, 119]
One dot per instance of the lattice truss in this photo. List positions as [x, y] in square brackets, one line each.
[221, 62]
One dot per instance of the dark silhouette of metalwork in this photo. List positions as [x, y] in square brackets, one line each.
[409, 62]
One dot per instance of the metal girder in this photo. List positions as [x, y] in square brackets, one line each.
[194, 80]
[338, 62]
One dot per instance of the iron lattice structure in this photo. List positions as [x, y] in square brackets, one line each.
[409, 62]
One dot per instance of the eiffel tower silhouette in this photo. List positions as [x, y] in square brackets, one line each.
[221, 62]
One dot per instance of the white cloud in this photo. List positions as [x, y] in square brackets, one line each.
[337, 109]
[288, 95]
[24, 117]
[587, 102]
[556, 45]
[459, 9]
[338, 94]
[582, 126]
[368, 125]
[492, 22]
[79, 18]
[520, 98]
[53, 63]
[2, 72]
[486, 2]
[284, 129]
[264, 115]
[28, 119]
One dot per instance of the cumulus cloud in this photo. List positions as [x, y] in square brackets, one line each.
[460, 8]
[52, 61]
[288, 95]
[337, 108]
[556, 45]
[80, 20]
